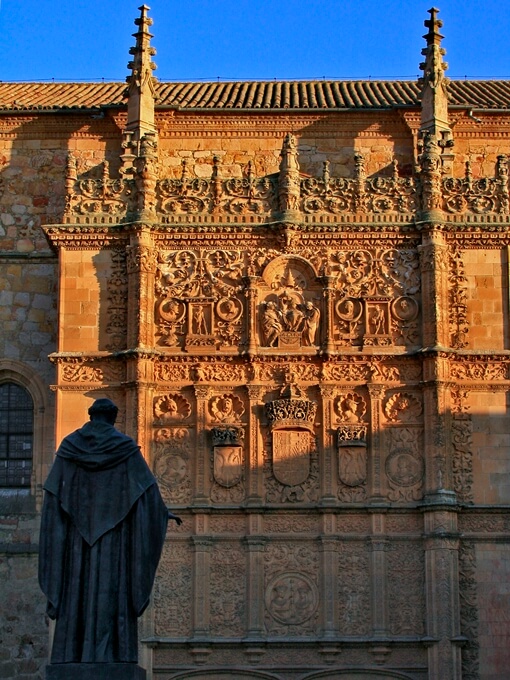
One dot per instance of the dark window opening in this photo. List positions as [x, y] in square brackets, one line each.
[16, 436]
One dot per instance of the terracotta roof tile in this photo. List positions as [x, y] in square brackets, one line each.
[277, 95]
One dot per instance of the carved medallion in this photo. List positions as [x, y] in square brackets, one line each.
[291, 456]
[291, 598]
[403, 468]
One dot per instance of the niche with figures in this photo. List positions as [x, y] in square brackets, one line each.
[290, 309]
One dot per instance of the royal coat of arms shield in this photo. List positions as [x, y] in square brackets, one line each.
[291, 456]
[228, 465]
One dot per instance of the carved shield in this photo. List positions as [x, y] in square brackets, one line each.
[291, 456]
[228, 465]
[352, 465]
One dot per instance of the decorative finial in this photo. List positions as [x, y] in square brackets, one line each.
[141, 82]
[434, 90]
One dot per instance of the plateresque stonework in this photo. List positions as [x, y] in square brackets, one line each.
[298, 295]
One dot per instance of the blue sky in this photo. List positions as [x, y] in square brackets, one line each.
[250, 39]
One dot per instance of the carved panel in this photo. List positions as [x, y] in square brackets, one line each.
[469, 619]
[462, 459]
[457, 293]
[116, 312]
[173, 591]
[406, 588]
[404, 464]
[353, 589]
[171, 408]
[172, 455]
[291, 589]
[377, 299]
[227, 597]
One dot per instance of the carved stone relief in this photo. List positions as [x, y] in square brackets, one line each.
[227, 464]
[291, 589]
[171, 408]
[173, 591]
[172, 456]
[469, 619]
[227, 594]
[198, 304]
[406, 565]
[290, 311]
[117, 301]
[404, 464]
[350, 409]
[377, 298]
[353, 589]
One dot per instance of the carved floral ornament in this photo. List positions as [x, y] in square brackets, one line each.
[103, 199]
[205, 301]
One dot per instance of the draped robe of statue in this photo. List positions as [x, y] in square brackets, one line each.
[102, 533]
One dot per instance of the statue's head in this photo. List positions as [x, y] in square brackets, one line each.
[105, 410]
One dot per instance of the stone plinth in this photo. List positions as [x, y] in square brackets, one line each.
[95, 671]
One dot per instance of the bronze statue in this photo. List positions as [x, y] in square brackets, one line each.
[102, 532]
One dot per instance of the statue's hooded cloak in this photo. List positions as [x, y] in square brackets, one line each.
[102, 533]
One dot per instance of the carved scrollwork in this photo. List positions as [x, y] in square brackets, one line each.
[107, 197]
[479, 196]
[172, 448]
[337, 195]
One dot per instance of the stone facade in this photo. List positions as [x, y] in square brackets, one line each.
[307, 333]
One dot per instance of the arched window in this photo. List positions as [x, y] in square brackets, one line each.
[16, 436]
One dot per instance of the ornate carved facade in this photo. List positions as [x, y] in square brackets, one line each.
[315, 360]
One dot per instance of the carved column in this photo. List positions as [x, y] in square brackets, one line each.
[328, 344]
[255, 580]
[251, 316]
[443, 608]
[329, 576]
[379, 545]
[141, 268]
[328, 447]
[256, 462]
[376, 393]
[202, 482]
[434, 276]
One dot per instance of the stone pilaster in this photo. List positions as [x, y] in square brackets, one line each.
[376, 393]
[202, 482]
[256, 462]
[201, 582]
[328, 344]
[141, 267]
[434, 256]
[379, 545]
[328, 447]
[255, 581]
[251, 315]
[442, 591]
[328, 547]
